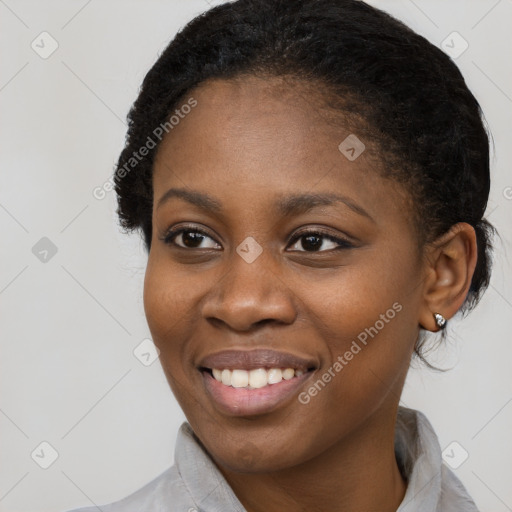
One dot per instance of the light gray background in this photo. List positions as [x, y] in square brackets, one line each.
[68, 375]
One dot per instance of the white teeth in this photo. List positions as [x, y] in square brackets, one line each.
[226, 377]
[288, 373]
[274, 375]
[239, 378]
[257, 378]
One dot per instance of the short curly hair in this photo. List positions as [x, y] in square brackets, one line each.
[409, 96]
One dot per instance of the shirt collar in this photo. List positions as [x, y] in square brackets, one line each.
[418, 455]
[417, 452]
[205, 483]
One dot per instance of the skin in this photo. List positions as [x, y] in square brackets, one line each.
[248, 143]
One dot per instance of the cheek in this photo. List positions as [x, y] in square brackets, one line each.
[167, 308]
[167, 305]
[168, 297]
[356, 297]
[367, 316]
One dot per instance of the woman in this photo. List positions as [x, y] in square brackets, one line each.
[310, 180]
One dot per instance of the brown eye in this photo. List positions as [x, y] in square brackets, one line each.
[188, 238]
[313, 241]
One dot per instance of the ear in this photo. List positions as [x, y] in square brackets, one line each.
[450, 263]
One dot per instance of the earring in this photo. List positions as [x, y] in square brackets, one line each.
[440, 320]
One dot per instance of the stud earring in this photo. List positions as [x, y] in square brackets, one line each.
[440, 320]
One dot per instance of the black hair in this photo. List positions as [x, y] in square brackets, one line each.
[410, 98]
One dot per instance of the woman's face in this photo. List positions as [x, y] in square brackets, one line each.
[283, 274]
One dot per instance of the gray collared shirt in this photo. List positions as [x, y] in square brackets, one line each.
[194, 484]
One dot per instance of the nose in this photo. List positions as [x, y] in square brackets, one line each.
[250, 295]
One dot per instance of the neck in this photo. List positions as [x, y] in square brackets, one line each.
[360, 472]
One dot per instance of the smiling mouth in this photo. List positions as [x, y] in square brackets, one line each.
[251, 382]
[255, 378]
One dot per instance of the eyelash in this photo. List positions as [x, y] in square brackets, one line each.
[171, 234]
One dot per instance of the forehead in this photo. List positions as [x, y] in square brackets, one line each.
[277, 113]
[255, 123]
[267, 137]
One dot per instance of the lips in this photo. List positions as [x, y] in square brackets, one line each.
[253, 359]
[241, 394]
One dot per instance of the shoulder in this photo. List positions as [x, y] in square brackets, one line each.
[156, 496]
[431, 486]
[454, 496]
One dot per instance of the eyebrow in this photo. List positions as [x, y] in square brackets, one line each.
[291, 205]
